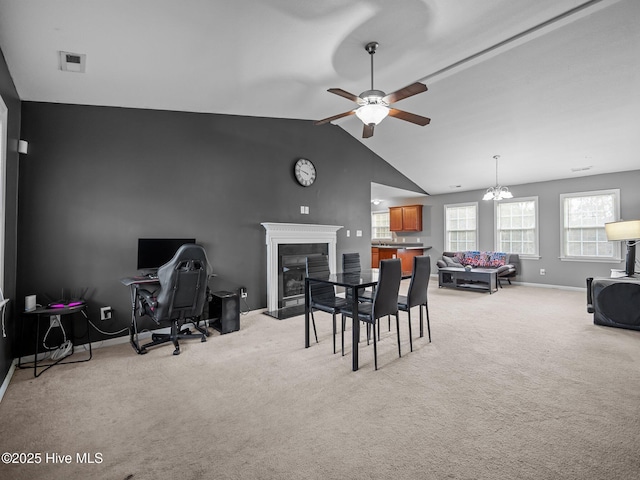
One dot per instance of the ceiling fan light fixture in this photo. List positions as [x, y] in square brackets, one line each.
[372, 113]
[373, 105]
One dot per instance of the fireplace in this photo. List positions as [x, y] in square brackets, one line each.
[288, 245]
[292, 267]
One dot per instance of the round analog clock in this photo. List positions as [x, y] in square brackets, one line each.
[305, 172]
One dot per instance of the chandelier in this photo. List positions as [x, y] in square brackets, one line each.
[498, 192]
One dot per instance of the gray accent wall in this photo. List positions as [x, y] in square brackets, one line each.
[558, 272]
[12, 101]
[98, 178]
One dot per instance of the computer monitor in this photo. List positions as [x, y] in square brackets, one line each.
[155, 252]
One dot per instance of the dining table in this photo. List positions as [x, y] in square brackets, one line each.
[350, 281]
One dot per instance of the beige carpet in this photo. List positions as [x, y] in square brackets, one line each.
[515, 385]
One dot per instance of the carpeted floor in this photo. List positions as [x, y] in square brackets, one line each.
[515, 385]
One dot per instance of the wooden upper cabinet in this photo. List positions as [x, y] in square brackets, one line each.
[405, 219]
[395, 219]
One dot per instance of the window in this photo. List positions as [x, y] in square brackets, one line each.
[517, 226]
[380, 225]
[461, 227]
[582, 225]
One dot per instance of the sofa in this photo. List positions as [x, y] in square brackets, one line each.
[507, 264]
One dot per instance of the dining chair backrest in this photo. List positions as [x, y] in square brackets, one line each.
[351, 263]
[318, 267]
[385, 301]
[417, 293]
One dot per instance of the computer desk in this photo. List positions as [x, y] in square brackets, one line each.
[134, 283]
[45, 311]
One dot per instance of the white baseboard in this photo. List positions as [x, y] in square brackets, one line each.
[7, 379]
[546, 285]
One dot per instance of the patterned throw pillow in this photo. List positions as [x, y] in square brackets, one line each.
[472, 257]
[497, 259]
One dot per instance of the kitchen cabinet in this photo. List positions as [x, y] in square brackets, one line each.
[404, 254]
[407, 218]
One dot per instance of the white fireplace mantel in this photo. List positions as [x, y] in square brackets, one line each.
[289, 233]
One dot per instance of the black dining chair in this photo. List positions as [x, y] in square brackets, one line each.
[323, 295]
[385, 302]
[351, 264]
[417, 293]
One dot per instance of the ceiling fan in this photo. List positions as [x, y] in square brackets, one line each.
[373, 105]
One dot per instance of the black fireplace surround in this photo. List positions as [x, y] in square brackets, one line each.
[292, 259]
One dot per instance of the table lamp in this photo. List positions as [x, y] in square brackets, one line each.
[628, 231]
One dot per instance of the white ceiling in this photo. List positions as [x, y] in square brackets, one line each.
[549, 85]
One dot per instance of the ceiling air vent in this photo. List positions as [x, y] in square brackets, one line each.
[72, 62]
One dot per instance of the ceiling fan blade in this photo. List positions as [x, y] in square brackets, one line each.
[409, 117]
[367, 131]
[344, 93]
[335, 117]
[405, 92]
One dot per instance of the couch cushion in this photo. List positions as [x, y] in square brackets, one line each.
[451, 261]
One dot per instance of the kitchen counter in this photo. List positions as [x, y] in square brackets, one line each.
[405, 251]
[399, 246]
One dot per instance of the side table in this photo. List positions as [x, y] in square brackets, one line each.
[46, 312]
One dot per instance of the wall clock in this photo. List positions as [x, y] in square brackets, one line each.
[305, 172]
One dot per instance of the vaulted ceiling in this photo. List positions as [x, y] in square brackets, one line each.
[552, 86]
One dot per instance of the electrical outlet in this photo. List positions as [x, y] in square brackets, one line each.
[54, 320]
[543, 271]
[243, 292]
[105, 313]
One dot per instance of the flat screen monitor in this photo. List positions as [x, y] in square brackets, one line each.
[155, 252]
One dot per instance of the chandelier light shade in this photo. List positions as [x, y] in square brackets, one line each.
[498, 192]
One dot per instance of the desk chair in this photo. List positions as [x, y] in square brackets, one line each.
[385, 302]
[323, 295]
[417, 293]
[180, 298]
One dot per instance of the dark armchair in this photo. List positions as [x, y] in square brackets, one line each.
[179, 299]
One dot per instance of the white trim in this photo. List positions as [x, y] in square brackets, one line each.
[546, 285]
[288, 233]
[7, 380]
[3, 182]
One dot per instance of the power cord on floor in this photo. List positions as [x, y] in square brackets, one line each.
[248, 307]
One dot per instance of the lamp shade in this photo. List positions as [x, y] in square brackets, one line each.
[626, 230]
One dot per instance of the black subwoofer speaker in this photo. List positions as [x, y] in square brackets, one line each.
[615, 302]
[224, 311]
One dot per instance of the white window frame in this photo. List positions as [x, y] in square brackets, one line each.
[380, 212]
[615, 257]
[497, 229]
[447, 245]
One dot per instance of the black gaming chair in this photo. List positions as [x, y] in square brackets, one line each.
[180, 298]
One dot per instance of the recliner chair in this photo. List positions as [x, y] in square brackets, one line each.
[180, 298]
